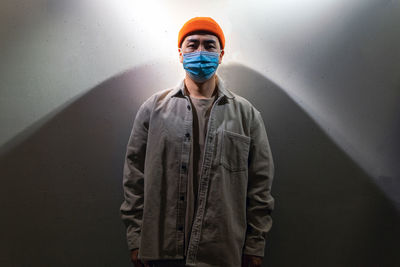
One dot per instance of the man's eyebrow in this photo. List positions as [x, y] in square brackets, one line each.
[197, 40]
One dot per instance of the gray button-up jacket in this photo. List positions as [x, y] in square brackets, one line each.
[234, 197]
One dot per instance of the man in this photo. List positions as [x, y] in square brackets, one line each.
[198, 168]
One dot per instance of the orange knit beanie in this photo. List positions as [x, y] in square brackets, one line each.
[201, 24]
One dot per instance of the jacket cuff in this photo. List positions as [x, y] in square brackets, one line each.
[133, 243]
[254, 246]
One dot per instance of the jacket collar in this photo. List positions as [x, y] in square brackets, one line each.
[222, 90]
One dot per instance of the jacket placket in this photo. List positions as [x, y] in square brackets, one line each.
[203, 188]
[183, 178]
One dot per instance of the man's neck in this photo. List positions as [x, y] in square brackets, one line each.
[201, 90]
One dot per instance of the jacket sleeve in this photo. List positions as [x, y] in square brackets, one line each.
[131, 210]
[260, 202]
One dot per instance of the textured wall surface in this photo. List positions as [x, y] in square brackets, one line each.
[324, 74]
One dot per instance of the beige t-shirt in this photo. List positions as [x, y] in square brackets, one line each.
[201, 112]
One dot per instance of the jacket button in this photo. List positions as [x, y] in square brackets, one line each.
[180, 228]
[187, 135]
[188, 107]
[182, 197]
[184, 166]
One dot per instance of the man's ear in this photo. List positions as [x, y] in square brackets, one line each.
[221, 55]
[180, 55]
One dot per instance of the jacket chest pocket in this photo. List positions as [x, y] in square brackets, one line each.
[234, 151]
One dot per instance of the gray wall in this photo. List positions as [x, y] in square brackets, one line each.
[324, 74]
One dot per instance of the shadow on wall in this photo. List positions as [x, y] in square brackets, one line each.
[62, 185]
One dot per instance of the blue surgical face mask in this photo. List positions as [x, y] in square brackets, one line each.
[201, 65]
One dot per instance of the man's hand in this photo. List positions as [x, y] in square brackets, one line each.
[136, 262]
[251, 261]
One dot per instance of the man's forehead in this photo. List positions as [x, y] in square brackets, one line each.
[198, 36]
